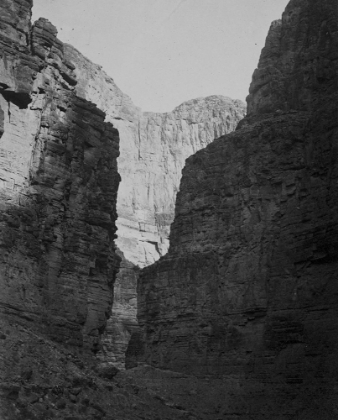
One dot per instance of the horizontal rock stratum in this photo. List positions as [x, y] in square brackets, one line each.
[248, 293]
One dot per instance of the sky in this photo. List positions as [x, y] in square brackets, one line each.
[164, 52]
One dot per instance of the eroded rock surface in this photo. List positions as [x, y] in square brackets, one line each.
[248, 291]
[150, 165]
[57, 217]
[153, 147]
[242, 312]
[58, 189]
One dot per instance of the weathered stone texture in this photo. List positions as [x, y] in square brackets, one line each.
[58, 190]
[15, 22]
[295, 65]
[57, 260]
[248, 290]
[151, 160]
[94, 84]
[122, 322]
[59, 187]
[153, 147]
[158, 153]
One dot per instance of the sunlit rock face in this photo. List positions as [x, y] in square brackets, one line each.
[151, 170]
[150, 164]
[153, 147]
[242, 312]
[248, 292]
[58, 188]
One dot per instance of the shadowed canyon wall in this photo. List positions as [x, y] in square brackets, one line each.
[153, 149]
[59, 185]
[150, 165]
[58, 189]
[239, 319]
[248, 292]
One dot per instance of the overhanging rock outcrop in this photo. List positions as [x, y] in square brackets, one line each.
[248, 293]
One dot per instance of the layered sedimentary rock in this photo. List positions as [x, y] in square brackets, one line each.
[59, 186]
[58, 189]
[248, 293]
[150, 165]
[57, 216]
[153, 147]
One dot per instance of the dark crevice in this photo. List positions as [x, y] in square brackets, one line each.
[20, 99]
[9, 112]
[2, 122]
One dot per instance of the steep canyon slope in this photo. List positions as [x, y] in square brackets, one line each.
[248, 293]
[153, 149]
[58, 263]
[241, 314]
[58, 198]
[59, 184]
[150, 165]
[58, 189]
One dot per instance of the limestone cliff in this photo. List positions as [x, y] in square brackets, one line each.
[153, 148]
[247, 294]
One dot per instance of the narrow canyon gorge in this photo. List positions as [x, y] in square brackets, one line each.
[178, 265]
[153, 149]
